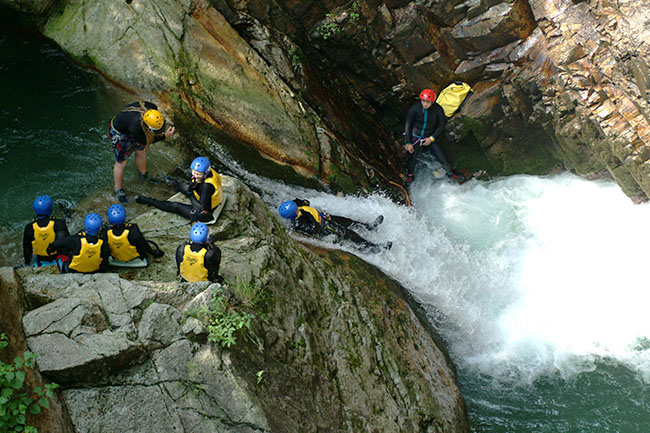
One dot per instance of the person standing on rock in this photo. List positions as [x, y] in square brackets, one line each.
[204, 191]
[307, 220]
[136, 127]
[39, 234]
[86, 251]
[128, 246]
[425, 121]
[198, 260]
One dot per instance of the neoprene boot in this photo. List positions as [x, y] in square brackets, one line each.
[121, 196]
[373, 225]
[144, 200]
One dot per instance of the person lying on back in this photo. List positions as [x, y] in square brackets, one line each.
[308, 220]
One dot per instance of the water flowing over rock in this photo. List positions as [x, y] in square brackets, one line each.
[338, 347]
[323, 86]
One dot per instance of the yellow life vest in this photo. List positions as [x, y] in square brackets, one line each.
[215, 181]
[43, 237]
[310, 210]
[89, 258]
[121, 248]
[453, 96]
[192, 267]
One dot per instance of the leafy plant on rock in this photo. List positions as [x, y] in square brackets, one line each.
[15, 401]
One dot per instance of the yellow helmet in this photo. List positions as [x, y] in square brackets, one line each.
[153, 119]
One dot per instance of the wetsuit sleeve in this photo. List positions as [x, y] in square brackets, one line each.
[440, 120]
[179, 257]
[60, 229]
[150, 105]
[28, 238]
[410, 119]
[212, 262]
[137, 239]
[70, 245]
[105, 252]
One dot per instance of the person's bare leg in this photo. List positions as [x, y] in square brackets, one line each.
[118, 174]
[141, 160]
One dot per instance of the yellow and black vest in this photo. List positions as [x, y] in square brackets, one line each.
[310, 210]
[121, 248]
[43, 237]
[215, 181]
[89, 258]
[192, 267]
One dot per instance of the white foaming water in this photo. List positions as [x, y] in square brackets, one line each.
[522, 275]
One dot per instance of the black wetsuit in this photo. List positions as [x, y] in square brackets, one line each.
[420, 124]
[60, 232]
[135, 238]
[330, 224]
[130, 123]
[211, 261]
[200, 210]
[71, 246]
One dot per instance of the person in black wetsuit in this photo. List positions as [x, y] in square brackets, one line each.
[198, 260]
[39, 234]
[425, 121]
[125, 240]
[204, 192]
[133, 129]
[310, 221]
[87, 250]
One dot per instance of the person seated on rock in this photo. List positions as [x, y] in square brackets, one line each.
[39, 234]
[85, 252]
[204, 191]
[307, 220]
[198, 260]
[127, 245]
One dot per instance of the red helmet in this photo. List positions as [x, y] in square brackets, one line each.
[428, 95]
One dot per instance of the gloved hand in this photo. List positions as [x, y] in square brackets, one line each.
[157, 253]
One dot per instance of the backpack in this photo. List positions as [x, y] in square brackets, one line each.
[452, 97]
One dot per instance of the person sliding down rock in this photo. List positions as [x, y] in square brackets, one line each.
[311, 222]
[204, 192]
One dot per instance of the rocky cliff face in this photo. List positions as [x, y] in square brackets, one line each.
[323, 86]
[333, 345]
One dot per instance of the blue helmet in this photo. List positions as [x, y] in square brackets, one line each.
[288, 209]
[43, 205]
[199, 233]
[93, 224]
[116, 214]
[201, 164]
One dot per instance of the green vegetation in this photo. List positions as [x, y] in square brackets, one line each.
[328, 29]
[15, 401]
[225, 316]
[331, 28]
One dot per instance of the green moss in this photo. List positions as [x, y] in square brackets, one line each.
[340, 181]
